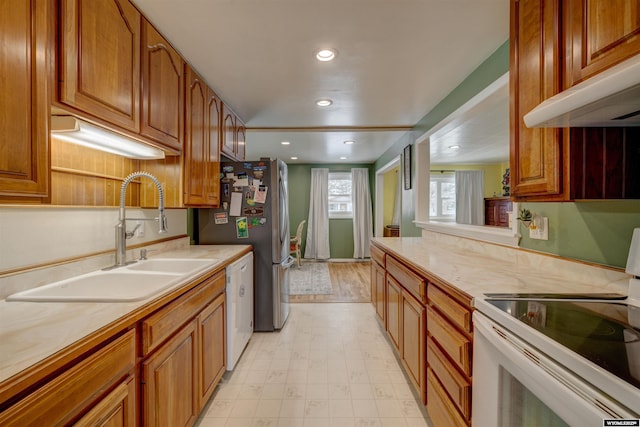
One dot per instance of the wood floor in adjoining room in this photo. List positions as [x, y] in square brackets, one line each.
[351, 282]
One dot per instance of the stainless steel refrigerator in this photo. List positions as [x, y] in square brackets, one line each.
[254, 209]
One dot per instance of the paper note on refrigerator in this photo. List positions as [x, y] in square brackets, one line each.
[261, 194]
[235, 209]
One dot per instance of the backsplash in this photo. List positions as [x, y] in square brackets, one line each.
[40, 235]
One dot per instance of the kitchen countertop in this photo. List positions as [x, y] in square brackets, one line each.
[32, 332]
[501, 269]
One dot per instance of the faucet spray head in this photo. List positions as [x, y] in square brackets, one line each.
[162, 223]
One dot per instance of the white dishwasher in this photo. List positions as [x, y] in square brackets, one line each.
[239, 292]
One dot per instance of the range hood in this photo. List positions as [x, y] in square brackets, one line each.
[609, 99]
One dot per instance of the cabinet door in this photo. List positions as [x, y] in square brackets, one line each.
[28, 28]
[241, 132]
[75, 391]
[600, 33]
[414, 320]
[169, 382]
[117, 409]
[162, 90]
[211, 334]
[378, 290]
[394, 313]
[100, 60]
[229, 134]
[536, 153]
[195, 147]
[212, 167]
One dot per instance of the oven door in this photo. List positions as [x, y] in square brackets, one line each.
[516, 385]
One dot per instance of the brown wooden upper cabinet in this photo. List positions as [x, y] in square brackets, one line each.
[582, 38]
[100, 60]
[117, 70]
[599, 34]
[24, 100]
[202, 138]
[162, 89]
[536, 153]
[232, 144]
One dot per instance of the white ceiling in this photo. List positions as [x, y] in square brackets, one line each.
[397, 59]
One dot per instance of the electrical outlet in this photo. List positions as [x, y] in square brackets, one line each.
[539, 228]
[140, 230]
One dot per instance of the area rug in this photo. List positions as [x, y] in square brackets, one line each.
[312, 279]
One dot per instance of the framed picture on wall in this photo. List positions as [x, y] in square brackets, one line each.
[407, 167]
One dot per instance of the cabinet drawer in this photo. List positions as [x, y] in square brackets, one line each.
[70, 394]
[377, 255]
[452, 309]
[441, 411]
[407, 278]
[166, 321]
[455, 345]
[456, 385]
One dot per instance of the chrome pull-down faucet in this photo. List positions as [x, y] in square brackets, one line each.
[121, 228]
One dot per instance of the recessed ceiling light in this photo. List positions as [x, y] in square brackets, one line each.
[294, 158]
[343, 158]
[285, 143]
[349, 142]
[324, 102]
[454, 147]
[325, 55]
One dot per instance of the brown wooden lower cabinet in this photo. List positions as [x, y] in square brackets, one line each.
[181, 372]
[456, 385]
[158, 371]
[74, 392]
[378, 285]
[212, 360]
[117, 409]
[414, 336]
[429, 324]
[169, 379]
[394, 313]
[440, 409]
[457, 346]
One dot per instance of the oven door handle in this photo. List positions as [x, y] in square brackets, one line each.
[558, 388]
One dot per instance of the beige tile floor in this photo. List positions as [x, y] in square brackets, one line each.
[330, 366]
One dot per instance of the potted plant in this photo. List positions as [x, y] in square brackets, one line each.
[525, 216]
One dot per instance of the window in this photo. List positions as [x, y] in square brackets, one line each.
[340, 204]
[442, 197]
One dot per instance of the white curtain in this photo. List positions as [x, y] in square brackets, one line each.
[362, 216]
[470, 197]
[317, 246]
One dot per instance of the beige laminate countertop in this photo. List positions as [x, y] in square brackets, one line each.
[32, 332]
[476, 272]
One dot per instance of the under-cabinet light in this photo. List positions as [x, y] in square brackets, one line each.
[73, 130]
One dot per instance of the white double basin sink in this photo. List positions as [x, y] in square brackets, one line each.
[134, 282]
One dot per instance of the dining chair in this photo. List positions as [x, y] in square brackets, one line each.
[295, 241]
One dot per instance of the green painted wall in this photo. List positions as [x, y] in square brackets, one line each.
[340, 230]
[488, 72]
[594, 231]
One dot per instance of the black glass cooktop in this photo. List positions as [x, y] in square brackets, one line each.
[606, 333]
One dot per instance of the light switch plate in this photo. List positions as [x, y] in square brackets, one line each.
[541, 230]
